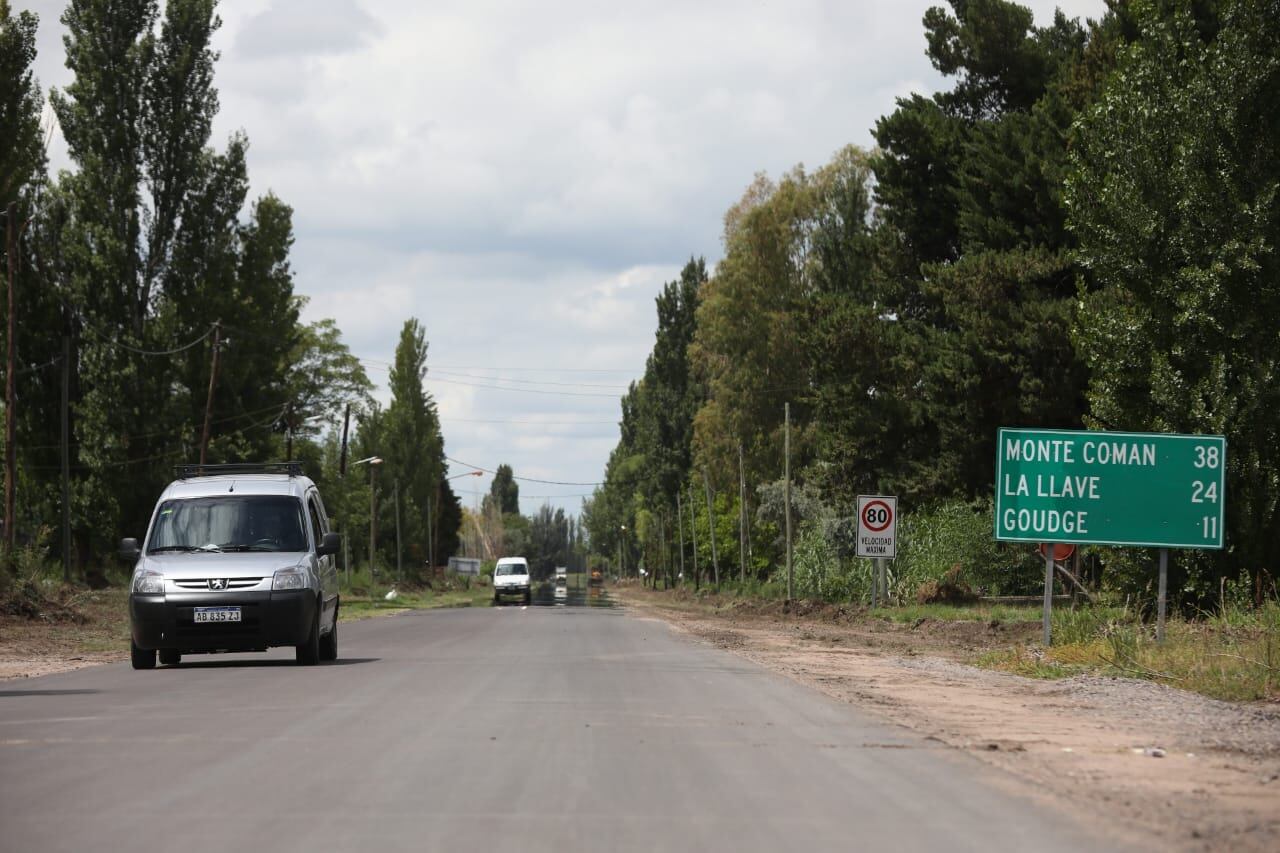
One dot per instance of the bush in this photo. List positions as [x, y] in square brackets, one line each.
[934, 540]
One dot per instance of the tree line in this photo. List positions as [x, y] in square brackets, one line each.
[143, 266]
[1080, 232]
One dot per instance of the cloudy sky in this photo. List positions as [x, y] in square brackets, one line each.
[523, 177]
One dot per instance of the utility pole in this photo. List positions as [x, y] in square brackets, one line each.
[342, 475]
[711, 530]
[213, 380]
[346, 426]
[680, 532]
[10, 452]
[66, 459]
[742, 515]
[399, 562]
[693, 534]
[288, 432]
[373, 520]
[431, 545]
[787, 498]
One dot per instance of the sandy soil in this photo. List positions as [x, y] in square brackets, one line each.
[1171, 769]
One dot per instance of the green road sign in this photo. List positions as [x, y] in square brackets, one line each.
[1110, 488]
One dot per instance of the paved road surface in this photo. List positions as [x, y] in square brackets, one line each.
[548, 728]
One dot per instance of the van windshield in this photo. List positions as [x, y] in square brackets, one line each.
[229, 523]
[512, 569]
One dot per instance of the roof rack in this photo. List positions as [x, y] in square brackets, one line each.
[187, 471]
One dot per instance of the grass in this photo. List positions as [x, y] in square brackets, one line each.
[1233, 656]
[1002, 613]
[362, 606]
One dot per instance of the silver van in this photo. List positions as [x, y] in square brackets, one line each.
[237, 558]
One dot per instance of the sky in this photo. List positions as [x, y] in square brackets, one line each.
[524, 177]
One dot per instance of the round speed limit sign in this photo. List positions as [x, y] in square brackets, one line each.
[877, 526]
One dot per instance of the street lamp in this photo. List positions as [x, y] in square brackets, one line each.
[373, 462]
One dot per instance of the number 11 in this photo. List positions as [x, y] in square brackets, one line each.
[1210, 527]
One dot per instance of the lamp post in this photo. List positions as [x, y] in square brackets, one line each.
[431, 538]
[373, 463]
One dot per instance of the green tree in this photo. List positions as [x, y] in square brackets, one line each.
[414, 447]
[22, 158]
[1173, 198]
[504, 491]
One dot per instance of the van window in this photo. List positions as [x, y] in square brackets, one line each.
[229, 523]
[512, 569]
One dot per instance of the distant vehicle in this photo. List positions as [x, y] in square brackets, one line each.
[511, 577]
[237, 558]
[562, 576]
[596, 578]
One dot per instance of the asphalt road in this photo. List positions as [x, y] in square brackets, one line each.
[569, 728]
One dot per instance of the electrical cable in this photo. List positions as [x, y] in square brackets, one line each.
[143, 352]
[514, 477]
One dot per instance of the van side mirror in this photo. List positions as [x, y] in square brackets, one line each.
[129, 549]
[330, 544]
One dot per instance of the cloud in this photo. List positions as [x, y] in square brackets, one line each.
[523, 177]
[307, 28]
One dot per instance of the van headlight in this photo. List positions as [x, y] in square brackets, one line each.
[148, 582]
[294, 577]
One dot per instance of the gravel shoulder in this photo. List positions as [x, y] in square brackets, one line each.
[1181, 770]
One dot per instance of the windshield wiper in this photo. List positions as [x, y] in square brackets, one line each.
[234, 547]
[163, 548]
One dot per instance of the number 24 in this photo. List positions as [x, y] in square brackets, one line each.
[1200, 494]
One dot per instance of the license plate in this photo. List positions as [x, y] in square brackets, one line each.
[217, 614]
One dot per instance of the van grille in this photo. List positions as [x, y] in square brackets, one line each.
[202, 584]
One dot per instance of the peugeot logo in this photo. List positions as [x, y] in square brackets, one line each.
[217, 583]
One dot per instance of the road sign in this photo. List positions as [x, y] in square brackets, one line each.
[1155, 490]
[877, 526]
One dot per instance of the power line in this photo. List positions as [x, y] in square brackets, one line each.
[116, 342]
[526, 381]
[430, 378]
[525, 479]
[529, 423]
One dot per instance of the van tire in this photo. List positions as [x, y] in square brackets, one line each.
[307, 653]
[329, 642]
[142, 658]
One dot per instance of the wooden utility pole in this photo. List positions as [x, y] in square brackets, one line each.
[373, 519]
[680, 532]
[10, 452]
[399, 560]
[693, 534]
[66, 459]
[711, 530]
[742, 516]
[787, 495]
[213, 380]
[346, 427]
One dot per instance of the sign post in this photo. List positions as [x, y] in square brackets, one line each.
[878, 537]
[1151, 490]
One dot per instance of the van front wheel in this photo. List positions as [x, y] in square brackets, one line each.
[142, 658]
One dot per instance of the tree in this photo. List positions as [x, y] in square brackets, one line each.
[1173, 197]
[504, 491]
[22, 158]
[414, 447]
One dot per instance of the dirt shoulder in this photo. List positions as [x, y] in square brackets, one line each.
[1169, 768]
[72, 631]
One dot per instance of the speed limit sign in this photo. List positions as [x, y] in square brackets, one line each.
[877, 526]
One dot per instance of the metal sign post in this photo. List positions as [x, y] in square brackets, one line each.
[878, 538]
[1048, 593]
[1164, 586]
